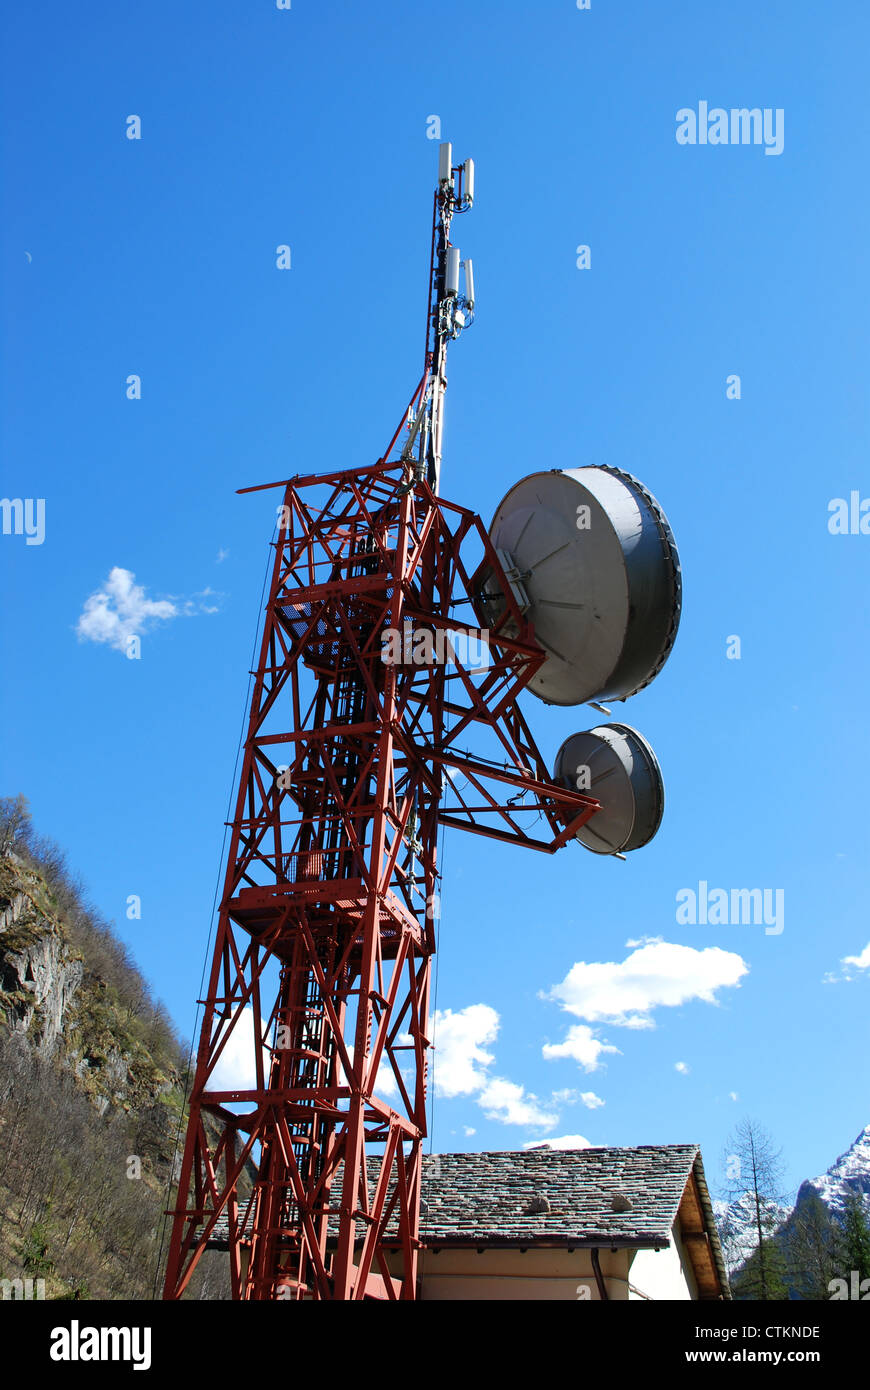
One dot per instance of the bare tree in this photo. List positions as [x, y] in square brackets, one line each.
[754, 1173]
[14, 821]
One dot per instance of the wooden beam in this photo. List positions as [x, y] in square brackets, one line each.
[695, 1237]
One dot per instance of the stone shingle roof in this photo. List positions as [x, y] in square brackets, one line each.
[606, 1196]
[613, 1195]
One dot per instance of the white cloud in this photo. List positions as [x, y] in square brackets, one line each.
[591, 1100]
[848, 964]
[197, 604]
[566, 1141]
[732, 1095]
[462, 1067]
[682, 1067]
[658, 974]
[861, 962]
[386, 1085]
[512, 1104]
[221, 556]
[462, 1064]
[119, 610]
[468, 1131]
[236, 1069]
[460, 1041]
[582, 1045]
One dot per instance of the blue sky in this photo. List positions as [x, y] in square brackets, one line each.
[156, 257]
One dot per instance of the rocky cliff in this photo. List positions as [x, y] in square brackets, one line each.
[114, 1041]
[39, 974]
[91, 1094]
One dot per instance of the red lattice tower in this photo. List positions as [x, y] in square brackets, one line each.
[367, 691]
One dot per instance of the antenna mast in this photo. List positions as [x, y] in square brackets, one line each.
[449, 310]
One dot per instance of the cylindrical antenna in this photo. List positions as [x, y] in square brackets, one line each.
[469, 282]
[445, 163]
[468, 181]
[451, 272]
[446, 316]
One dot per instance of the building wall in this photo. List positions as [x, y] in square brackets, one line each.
[534, 1274]
[663, 1274]
[561, 1275]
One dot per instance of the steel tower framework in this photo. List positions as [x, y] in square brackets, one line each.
[356, 754]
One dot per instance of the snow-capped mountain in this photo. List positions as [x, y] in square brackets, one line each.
[738, 1226]
[738, 1229]
[850, 1173]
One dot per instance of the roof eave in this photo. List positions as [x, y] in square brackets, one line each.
[542, 1242]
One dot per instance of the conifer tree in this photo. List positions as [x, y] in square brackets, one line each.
[854, 1248]
[812, 1240]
